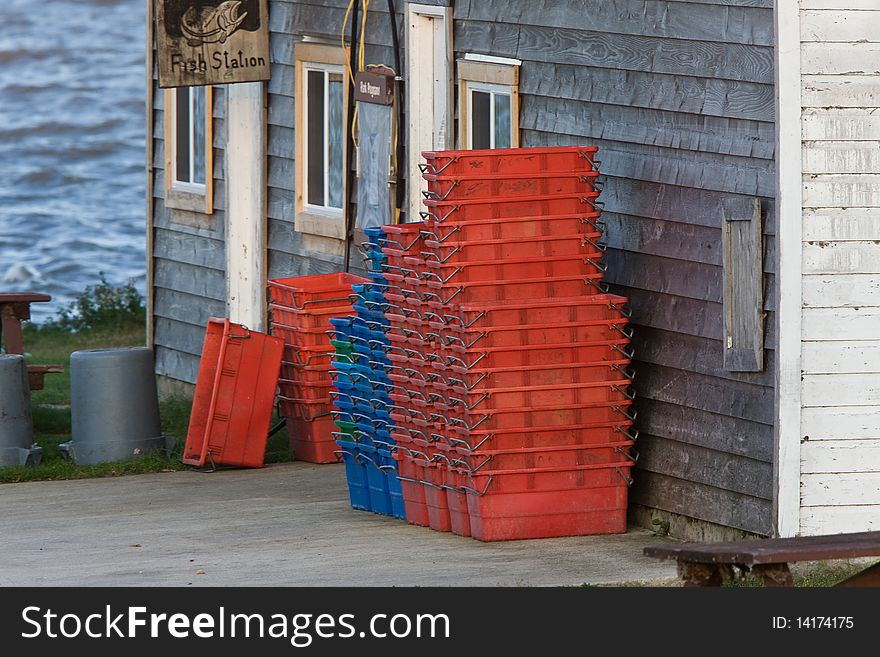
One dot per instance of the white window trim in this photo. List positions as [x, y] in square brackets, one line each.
[493, 90]
[326, 69]
[182, 195]
[176, 183]
[494, 76]
[328, 225]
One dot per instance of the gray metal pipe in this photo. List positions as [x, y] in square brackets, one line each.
[16, 426]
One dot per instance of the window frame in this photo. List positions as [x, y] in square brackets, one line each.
[182, 195]
[327, 70]
[493, 77]
[314, 219]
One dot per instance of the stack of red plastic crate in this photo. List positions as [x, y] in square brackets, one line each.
[301, 309]
[509, 361]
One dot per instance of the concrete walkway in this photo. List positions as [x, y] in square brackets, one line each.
[284, 525]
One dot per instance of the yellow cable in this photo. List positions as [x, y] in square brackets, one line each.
[342, 40]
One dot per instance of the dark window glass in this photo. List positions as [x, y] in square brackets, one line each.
[182, 165]
[480, 132]
[315, 138]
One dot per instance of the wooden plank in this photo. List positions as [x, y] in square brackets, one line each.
[840, 456]
[840, 124]
[834, 190]
[817, 520]
[829, 257]
[676, 93]
[677, 130]
[854, 323]
[853, 157]
[637, 53]
[671, 313]
[830, 357]
[843, 290]
[191, 249]
[694, 427]
[774, 550]
[176, 365]
[691, 463]
[191, 279]
[665, 238]
[282, 265]
[835, 91]
[180, 336]
[841, 224]
[686, 205]
[731, 398]
[281, 173]
[842, 423]
[695, 22]
[840, 58]
[281, 203]
[850, 389]
[744, 512]
[187, 308]
[832, 489]
[743, 285]
[692, 354]
[723, 173]
[849, 25]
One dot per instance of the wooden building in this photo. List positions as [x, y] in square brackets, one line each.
[739, 149]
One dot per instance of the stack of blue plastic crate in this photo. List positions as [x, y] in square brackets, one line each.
[361, 393]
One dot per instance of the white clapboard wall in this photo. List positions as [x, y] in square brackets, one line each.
[840, 422]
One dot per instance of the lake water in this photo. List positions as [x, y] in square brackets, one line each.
[71, 146]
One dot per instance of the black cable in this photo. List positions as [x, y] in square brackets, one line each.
[349, 138]
[401, 133]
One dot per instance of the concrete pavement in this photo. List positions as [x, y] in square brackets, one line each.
[286, 524]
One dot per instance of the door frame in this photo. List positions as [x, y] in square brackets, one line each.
[442, 93]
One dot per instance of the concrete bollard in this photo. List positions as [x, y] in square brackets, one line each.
[16, 425]
[114, 405]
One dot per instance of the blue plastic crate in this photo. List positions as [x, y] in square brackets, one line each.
[355, 475]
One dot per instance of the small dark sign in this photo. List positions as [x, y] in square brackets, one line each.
[374, 88]
[211, 41]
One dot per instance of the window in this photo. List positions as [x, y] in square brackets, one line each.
[321, 96]
[188, 149]
[489, 93]
[324, 144]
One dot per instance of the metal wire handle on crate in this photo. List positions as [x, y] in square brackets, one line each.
[629, 395]
[425, 167]
[440, 197]
[628, 480]
[425, 215]
[623, 451]
[478, 493]
[629, 416]
[624, 331]
[233, 336]
[634, 436]
[627, 373]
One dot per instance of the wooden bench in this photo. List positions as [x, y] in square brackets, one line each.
[15, 307]
[710, 564]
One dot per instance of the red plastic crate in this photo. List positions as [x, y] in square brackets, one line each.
[591, 433]
[308, 392]
[435, 496]
[303, 338]
[512, 228]
[313, 292]
[554, 415]
[234, 395]
[540, 311]
[318, 318]
[411, 475]
[304, 409]
[568, 373]
[455, 480]
[563, 456]
[512, 290]
[459, 187]
[539, 246]
[505, 161]
[543, 354]
[450, 274]
[468, 211]
[490, 399]
[303, 374]
[313, 441]
[583, 512]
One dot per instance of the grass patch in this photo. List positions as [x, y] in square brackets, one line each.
[103, 317]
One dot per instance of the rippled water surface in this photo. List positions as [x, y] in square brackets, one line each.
[71, 145]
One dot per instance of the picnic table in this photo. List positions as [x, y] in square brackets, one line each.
[709, 564]
[15, 307]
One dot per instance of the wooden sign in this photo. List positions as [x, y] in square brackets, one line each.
[374, 88]
[202, 42]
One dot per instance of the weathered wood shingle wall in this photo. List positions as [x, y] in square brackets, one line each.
[189, 280]
[840, 423]
[679, 98]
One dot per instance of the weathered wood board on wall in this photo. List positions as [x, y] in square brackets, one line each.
[202, 42]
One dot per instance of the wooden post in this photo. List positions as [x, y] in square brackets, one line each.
[246, 204]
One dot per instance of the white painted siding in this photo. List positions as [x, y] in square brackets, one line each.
[840, 389]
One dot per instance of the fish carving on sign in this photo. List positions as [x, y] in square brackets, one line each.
[212, 24]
